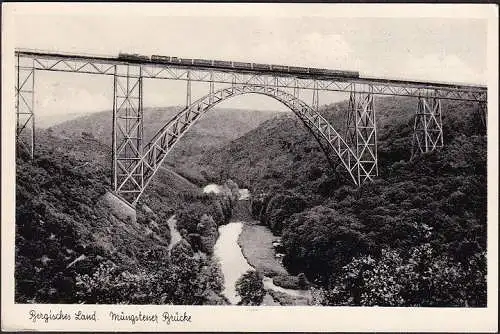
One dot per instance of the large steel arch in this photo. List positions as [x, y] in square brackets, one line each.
[165, 139]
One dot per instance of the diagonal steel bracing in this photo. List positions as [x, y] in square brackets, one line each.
[428, 125]
[128, 175]
[25, 104]
[361, 134]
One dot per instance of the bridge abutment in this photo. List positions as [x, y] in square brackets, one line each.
[118, 207]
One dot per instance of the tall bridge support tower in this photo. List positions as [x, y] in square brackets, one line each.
[428, 125]
[483, 114]
[362, 134]
[127, 136]
[25, 103]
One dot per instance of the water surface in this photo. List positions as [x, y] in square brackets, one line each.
[233, 264]
[175, 236]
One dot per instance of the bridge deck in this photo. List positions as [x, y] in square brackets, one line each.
[152, 69]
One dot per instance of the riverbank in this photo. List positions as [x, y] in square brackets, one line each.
[255, 242]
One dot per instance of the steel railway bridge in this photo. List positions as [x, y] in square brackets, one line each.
[134, 163]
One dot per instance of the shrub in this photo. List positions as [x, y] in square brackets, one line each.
[250, 288]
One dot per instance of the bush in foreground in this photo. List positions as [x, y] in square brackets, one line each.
[421, 279]
[250, 288]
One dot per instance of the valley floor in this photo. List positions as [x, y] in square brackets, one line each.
[255, 242]
[256, 245]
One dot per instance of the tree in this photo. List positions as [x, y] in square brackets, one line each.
[234, 190]
[423, 278]
[280, 207]
[320, 241]
[250, 288]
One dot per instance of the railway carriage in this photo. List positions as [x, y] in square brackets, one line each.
[202, 62]
[261, 67]
[279, 68]
[313, 70]
[135, 56]
[347, 74]
[161, 59]
[186, 61]
[296, 69]
[240, 65]
[221, 63]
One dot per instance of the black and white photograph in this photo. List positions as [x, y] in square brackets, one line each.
[244, 157]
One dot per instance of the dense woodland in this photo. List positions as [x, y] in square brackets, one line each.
[71, 249]
[415, 237]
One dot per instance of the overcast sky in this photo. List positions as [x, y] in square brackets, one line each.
[439, 49]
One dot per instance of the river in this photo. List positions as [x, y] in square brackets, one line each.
[233, 263]
[175, 236]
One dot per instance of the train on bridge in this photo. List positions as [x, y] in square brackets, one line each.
[235, 65]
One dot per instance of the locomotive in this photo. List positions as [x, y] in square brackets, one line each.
[220, 64]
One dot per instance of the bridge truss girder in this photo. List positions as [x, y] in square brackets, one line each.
[134, 164]
[94, 65]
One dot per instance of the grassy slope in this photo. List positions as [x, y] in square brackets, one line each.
[256, 245]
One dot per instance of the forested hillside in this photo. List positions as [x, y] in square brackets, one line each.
[282, 153]
[71, 248]
[417, 236]
[414, 237]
